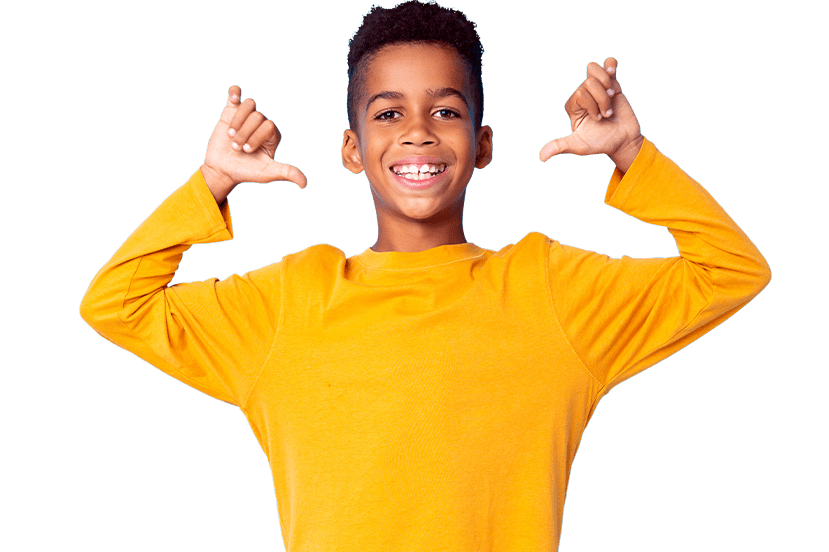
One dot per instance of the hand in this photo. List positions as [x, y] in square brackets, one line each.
[242, 147]
[616, 134]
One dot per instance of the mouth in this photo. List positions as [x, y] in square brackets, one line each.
[419, 177]
[416, 173]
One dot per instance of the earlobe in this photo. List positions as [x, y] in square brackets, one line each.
[484, 154]
[351, 152]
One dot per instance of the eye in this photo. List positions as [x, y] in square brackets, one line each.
[390, 114]
[448, 114]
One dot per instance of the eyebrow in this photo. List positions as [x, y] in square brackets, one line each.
[445, 92]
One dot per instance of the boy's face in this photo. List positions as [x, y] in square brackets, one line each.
[416, 110]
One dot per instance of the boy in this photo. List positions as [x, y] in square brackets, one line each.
[427, 394]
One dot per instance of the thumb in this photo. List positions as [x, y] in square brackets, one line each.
[234, 99]
[554, 147]
[280, 171]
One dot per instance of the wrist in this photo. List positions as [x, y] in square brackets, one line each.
[625, 155]
[220, 186]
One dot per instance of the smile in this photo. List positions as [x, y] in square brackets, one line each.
[418, 172]
[415, 177]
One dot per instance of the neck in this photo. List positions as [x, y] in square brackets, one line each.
[412, 242]
[396, 232]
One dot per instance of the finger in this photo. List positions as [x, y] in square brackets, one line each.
[234, 95]
[281, 171]
[248, 128]
[266, 134]
[599, 93]
[597, 72]
[582, 101]
[573, 109]
[245, 108]
[610, 65]
[554, 147]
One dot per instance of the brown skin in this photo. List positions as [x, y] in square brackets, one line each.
[601, 119]
[241, 149]
[417, 124]
[244, 142]
[390, 129]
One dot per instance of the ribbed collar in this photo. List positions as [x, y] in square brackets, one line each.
[405, 260]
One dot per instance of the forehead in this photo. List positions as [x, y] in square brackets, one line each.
[413, 67]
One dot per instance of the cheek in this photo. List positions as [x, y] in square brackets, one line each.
[464, 147]
[375, 159]
[376, 149]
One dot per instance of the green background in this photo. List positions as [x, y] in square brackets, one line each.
[109, 108]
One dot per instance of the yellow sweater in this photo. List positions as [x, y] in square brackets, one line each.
[433, 400]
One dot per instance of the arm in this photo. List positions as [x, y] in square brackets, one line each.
[623, 315]
[211, 335]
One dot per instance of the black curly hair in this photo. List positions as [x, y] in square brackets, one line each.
[414, 22]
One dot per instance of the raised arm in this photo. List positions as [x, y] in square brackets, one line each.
[623, 315]
[213, 335]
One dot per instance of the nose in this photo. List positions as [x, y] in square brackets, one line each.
[418, 131]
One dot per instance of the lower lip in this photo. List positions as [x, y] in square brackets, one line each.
[419, 184]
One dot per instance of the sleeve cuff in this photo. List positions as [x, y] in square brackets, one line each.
[218, 216]
[621, 183]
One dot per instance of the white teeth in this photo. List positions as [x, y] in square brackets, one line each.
[424, 171]
[416, 176]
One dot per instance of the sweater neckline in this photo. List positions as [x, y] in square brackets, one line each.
[412, 260]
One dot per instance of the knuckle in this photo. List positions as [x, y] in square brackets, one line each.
[250, 126]
[259, 135]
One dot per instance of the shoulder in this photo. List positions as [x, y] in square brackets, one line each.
[533, 244]
[317, 259]
[320, 258]
[553, 255]
[529, 254]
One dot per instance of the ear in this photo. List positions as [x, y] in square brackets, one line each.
[351, 152]
[483, 155]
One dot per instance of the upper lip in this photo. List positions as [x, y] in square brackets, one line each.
[418, 160]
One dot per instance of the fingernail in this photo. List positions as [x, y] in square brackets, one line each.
[246, 147]
[610, 69]
[231, 132]
[609, 113]
[610, 92]
[234, 98]
[234, 145]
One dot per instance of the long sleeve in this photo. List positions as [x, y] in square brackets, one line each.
[212, 335]
[624, 315]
